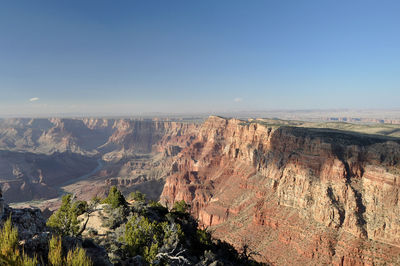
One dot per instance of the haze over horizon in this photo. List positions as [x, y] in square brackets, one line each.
[134, 57]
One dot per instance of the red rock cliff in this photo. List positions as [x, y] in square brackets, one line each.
[295, 195]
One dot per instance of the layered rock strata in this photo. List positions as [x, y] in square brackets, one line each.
[90, 136]
[37, 156]
[294, 195]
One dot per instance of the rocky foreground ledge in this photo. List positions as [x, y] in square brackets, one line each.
[34, 235]
[31, 225]
[112, 231]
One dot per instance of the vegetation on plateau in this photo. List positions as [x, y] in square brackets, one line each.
[12, 254]
[64, 221]
[138, 232]
[115, 198]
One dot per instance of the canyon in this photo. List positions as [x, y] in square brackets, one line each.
[43, 158]
[294, 193]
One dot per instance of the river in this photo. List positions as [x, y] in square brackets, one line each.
[60, 190]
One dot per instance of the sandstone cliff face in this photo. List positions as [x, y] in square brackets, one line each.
[148, 136]
[295, 195]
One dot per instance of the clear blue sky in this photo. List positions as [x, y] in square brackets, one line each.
[197, 56]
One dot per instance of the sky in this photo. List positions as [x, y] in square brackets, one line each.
[134, 57]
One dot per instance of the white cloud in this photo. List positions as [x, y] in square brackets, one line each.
[34, 99]
[237, 100]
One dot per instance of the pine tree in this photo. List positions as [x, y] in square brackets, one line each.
[64, 221]
[115, 198]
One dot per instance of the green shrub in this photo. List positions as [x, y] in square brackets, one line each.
[78, 257]
[145, 238]
[64, 221]
[115, 198]
[142, 237]
[137, 196]
[181, 206]
[27, 261]
[155, 204]
[204, 237]
[151, 252]
[115, 217]
[8, 239]
[55, 251]
[172, 233]
[9, 250]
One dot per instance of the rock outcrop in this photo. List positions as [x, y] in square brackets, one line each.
[32, 231]
[34, 236]
[295, 195]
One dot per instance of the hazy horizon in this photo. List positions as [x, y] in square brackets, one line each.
[392, 114]
[139, 57]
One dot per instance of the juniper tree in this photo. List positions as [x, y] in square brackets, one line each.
[64, 221]
[115, 198]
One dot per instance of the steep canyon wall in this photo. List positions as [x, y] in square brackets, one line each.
[295, 195]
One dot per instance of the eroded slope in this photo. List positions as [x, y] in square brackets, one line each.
[295, 195]
[41, 158]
